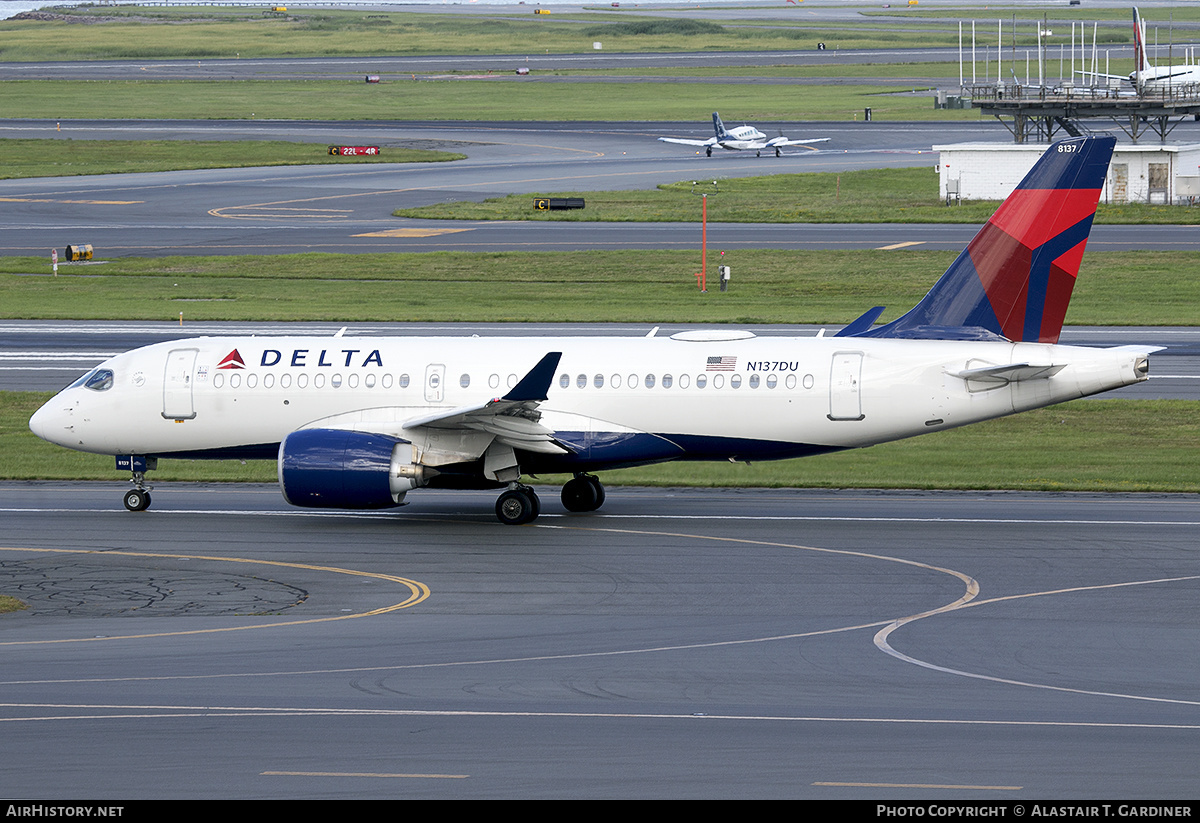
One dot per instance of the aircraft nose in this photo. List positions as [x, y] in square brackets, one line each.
[53, 422]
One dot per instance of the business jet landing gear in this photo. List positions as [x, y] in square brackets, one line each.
[518, 505]
[777, 154]
[708, 151]
[584, 493]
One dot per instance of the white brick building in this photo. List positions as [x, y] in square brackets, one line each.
[1146, 173]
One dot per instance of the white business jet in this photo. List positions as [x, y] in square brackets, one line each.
[358, 422]
[741, 138]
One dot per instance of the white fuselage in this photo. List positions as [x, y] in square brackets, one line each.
[723, 396]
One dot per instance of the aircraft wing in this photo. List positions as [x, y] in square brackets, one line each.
[512, 419]
[787, 141]
[712, 141]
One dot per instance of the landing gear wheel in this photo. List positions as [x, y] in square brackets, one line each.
[708, 151]
[758, 154]
[137, 500]
[777, 154]
[584, 493]
[518, 506]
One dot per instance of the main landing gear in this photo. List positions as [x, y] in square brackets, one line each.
[519, 504]
[583, 493]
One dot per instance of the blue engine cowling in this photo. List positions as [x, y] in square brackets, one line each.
[337, 469]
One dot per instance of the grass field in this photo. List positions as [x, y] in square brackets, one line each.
[62, 157]
[768, 286]
[869, 196]
[213, 32]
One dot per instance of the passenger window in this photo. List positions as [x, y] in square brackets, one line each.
[564, 381]
[465, 381]
[336, 381]
[581, 381]
[701, 381]
[598, 381]
[649, 381]
[771, 380]
[666, 383]
[633, 381]
[754, 381]
[615, 381]
[735, 381]
[684, 381]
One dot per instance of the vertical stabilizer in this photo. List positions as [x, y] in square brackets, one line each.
[718, 126]
[1141, 65]
[1014, 279]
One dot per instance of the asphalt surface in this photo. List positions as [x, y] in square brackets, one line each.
[348, 209]
[684, 644]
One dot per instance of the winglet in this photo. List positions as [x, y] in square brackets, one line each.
[865, 321]
[536, 384]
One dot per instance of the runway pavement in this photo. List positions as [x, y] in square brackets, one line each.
[684, 643]
[348, 209]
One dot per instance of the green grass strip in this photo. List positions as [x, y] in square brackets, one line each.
[868, 196]
[58, 158]
[768, 286]
[498, 99]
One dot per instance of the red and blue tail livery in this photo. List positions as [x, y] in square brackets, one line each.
[1014, 279]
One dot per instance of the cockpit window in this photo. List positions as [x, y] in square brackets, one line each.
[98, 380]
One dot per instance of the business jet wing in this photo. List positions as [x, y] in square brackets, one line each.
[683, 141]
[513, 419]
[787, 141]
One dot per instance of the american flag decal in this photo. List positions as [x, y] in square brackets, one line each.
[721, 364]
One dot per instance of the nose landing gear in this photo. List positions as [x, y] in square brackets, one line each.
[137, 499]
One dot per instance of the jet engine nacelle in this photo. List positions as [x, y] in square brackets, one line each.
[339, 469]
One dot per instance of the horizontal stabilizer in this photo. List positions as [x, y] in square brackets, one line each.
[1010, 372]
